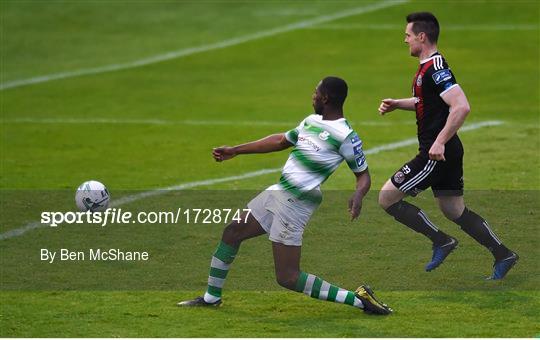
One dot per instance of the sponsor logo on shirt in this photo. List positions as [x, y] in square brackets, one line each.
[442, 75]
[419, 80]
[360, 161]
[355, 139]
[309, 142]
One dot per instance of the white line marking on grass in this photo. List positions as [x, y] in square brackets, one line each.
[413, 141]
[474, 126]
[183, 186]
[286, 12]
[132, 198]
[182, 122]
[203, 48]
[394, 27]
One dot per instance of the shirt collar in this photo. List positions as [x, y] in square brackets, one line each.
[430, 57]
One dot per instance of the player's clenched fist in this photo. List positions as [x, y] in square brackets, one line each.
[387, 105]
[436, 152]
[223, 153]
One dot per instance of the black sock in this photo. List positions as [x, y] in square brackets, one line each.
[478, 228]
[416, 219]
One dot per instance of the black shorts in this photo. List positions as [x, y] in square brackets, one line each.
[444, 177]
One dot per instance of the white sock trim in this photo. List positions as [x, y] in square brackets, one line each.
[309, 284]
[209, 298]
[217, 263]
[341, 295]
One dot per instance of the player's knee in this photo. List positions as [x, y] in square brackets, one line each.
[384, 199]
[451, 211]
[389, 195]
[287, 279]
[232, 233]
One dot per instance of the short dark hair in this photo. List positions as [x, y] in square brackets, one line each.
[425, 22]
[336, 89]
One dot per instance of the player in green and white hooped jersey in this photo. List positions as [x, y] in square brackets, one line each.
[321, 142]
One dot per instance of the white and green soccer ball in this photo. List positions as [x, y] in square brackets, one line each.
[93, 196]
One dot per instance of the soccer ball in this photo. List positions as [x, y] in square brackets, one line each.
[93, 196]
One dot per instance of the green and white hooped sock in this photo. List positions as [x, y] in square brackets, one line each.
[219, 267]
[317, 288]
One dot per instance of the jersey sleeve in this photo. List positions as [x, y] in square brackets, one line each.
[292, 135]
[443, 80]
[351, 150]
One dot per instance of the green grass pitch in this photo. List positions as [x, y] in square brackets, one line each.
[141, 128]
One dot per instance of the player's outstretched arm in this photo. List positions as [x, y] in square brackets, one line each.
[459, 109]
[271, 143]
[389, 105]
[363, 183]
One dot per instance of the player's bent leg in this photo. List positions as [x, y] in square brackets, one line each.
[289, 275]
[286, 264]
[478, 228]
[451, 206]
[233, 235]
[236, 232]
[391, 199]
[389, 195]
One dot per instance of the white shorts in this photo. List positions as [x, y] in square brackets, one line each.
[282, 215]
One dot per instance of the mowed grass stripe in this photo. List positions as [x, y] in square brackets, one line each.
[156, 192]
[203, 48]
[194, 122]
[267, 314]
[394, 27]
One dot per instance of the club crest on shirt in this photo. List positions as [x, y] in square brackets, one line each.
[399, 177]
[324, 135]
[419, 80]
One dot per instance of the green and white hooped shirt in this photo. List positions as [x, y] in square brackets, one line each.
[319, 148]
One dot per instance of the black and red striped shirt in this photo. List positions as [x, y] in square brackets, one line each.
[432, 80]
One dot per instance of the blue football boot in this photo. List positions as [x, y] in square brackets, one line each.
[502, 267]
[440, 253]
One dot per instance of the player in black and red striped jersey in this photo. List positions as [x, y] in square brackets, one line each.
[441, 108]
